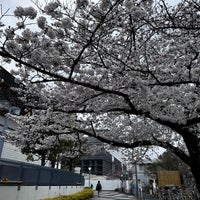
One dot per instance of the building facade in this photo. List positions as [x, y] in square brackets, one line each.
[102, 164]
[9, 104]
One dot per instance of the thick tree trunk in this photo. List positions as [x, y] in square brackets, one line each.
[195, 165]
[195, 168]
[193, 144]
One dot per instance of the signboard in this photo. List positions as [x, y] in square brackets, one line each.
[168, 178]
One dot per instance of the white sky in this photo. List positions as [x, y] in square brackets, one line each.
[12, 4]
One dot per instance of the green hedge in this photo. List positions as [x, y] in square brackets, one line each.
[84, 194]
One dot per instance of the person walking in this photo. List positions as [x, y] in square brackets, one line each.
[98, 188]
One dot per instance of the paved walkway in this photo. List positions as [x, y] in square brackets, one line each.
[112, 195]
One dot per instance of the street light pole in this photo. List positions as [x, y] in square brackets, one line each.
[89, 168]
[136, 180]
[122, 185]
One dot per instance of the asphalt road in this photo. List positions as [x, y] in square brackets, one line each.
[112, 195]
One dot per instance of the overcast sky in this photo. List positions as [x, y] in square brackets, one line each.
[12, 4]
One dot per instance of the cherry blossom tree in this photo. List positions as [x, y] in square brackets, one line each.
[128, 70]
[42, 135]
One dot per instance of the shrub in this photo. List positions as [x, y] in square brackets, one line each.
[84, 194]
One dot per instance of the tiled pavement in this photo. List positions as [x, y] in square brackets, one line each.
[112, 195]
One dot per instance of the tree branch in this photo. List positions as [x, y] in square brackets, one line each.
[143, 143]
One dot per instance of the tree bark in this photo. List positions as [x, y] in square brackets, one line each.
[195, 168]
[43, 159]
[192, 142]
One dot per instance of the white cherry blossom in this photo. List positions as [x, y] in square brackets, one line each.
[129, 68]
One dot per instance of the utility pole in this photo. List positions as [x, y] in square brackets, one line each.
[136, 180]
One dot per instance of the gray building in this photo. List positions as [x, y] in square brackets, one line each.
[6, 98]
[9, 103]
[102, 162]
[6, 95]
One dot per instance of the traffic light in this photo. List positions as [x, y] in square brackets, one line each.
[126, 174]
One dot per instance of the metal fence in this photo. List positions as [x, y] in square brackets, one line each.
[30, 174]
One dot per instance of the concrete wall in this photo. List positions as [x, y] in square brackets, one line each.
[106, 184]
[33, 193]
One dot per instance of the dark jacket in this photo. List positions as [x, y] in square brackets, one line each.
[98, 187]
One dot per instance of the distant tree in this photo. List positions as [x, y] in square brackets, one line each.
[151, 169]
[33, 154]
[132, 67]
[169, 161]
[166, 161]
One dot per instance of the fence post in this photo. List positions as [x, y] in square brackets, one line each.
[38, 178]
[51, 179]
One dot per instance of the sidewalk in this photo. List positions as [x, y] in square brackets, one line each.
[112, 195]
